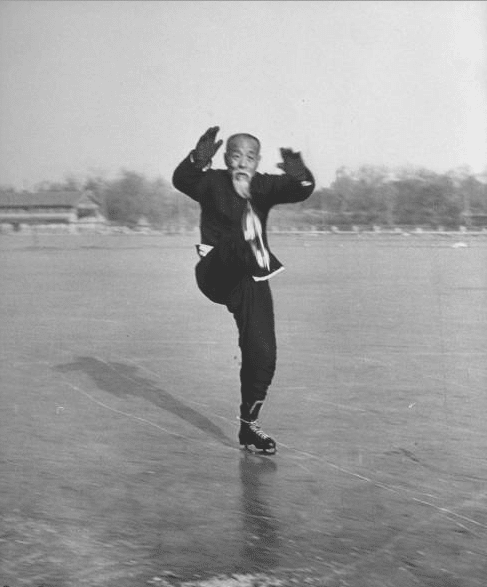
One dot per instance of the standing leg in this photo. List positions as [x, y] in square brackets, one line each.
[252, 307]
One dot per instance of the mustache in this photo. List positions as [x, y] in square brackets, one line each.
[237, 173]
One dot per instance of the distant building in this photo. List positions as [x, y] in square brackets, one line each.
[42, 208]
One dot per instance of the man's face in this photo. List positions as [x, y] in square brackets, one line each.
[242, 158]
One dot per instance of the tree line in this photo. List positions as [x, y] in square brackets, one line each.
[377, 196]
[365, 197]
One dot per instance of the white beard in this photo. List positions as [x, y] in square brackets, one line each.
[242, 186]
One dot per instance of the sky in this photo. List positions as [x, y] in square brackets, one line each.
[91, 88]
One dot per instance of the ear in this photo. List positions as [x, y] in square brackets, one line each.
[226, 158]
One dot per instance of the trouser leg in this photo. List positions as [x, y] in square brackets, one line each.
[252, 307]
[219, 273]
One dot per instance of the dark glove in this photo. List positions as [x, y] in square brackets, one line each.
[206, 147]
[292, 164]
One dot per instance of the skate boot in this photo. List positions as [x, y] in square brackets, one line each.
[251, 436]
[254, 439]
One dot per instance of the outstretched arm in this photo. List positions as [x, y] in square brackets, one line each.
[190, 171]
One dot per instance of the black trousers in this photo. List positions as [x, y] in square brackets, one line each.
[223, 276]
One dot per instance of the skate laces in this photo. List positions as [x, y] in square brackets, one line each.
[256, 429]
[254, 426]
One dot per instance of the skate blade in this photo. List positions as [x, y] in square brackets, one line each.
[258, 451]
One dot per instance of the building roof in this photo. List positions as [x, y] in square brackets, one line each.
[67, 199]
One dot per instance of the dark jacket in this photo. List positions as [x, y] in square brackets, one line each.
[222, 208]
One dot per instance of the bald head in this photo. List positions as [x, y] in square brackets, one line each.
[242, 154]
[243, 138]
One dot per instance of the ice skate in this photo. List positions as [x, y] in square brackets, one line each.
[254, 439]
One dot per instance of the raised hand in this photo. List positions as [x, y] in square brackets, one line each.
[292, 164]
[206, 147]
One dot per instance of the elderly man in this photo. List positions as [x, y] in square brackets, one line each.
[235, 260]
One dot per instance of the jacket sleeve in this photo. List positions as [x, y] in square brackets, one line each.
[187, 178]
[284, 189]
